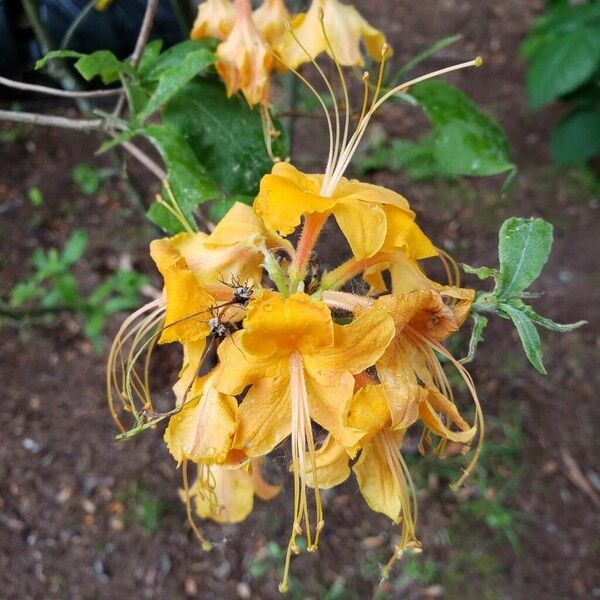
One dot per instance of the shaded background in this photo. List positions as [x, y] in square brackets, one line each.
[82, 516]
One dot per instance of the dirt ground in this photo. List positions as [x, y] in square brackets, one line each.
[82, 516]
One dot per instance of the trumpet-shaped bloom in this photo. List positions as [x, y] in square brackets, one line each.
[345, 28]
[244, 63]
[380, 470]
[215, 19]
[292, 343]
[410, 366]
[372, 218]
[226, 495]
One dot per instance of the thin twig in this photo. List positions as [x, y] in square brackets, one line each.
[145, 160]
[51, 120]
[140, 44]
[42, 89]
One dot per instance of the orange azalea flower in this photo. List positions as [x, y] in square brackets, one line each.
[244, 63]
[345, 28]
[215, 19]
[299, 366]
[380, 470]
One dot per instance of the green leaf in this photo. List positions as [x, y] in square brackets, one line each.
[41, 63]
[173, 57]
[528, 334]
[481, 272]
[75, 246]
[562, 65]
[87, 177]
[479, 324]
[190, 182]
[124, 136]
[523, 248]
[543, 321]
[466, 141]
[225, 134]
[149, 57]
[103, 63]
[577, 137]
[173, 79]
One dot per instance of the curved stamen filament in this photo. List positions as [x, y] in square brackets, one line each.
[316, 94]
[302, 442]
[347, 108]
[206, 545]
[408, 500]
[478, 412]
[350, 149]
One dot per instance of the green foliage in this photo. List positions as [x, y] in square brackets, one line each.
[563, 50]
[35, 196]
[101, 63]
[88, 178]
[52, 288]
[524, 247]
[463, 141]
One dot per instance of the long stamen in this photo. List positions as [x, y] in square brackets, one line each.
[478, 412]
[302, 442]
[385, 51]
[206, 545]
[315, 94]
[342, 81]
[350, 149]
[336, 110]
[408, 500]
[365, 80]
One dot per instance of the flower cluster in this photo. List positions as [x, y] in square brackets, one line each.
[253, 44]
[276, 350]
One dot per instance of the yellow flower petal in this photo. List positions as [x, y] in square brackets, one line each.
[345, 27]
[357, 346]
[187, 303]
[363, 224]
[275, 324]
[232, 499]
[329, 394]
[403, 233]
[369, 411]
[244, 63]
[286, 195]
[331, 460]
[270, 20]
[263, 489]
[264, 416]
[192, 356]
[438, 403]
[202, 431]
[214, 19]
[378, 483]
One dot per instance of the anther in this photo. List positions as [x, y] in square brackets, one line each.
[312, 548]
[321, 14]
[283, 588]
[206, 546]
[297, 528]
[295, 549]
[478, 62]
[320, 526]
[385, 50]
